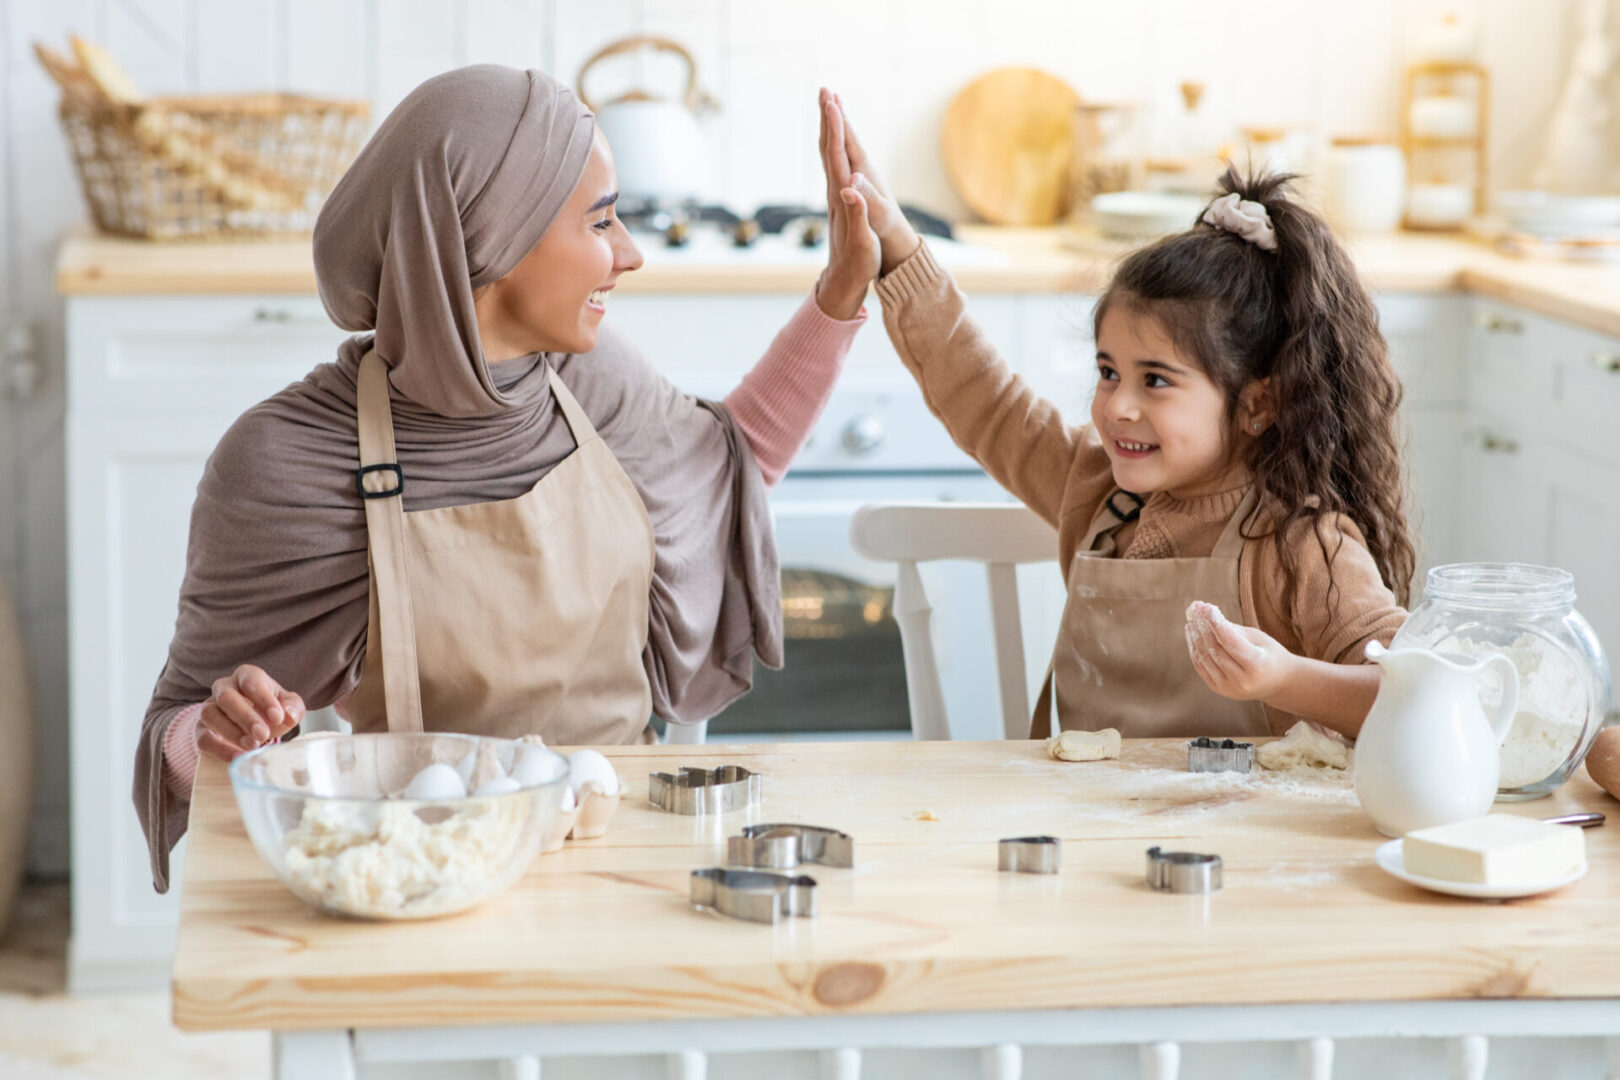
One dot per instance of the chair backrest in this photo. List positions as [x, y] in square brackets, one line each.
[1000, 535]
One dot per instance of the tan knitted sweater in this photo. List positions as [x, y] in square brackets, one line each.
[1062, 473]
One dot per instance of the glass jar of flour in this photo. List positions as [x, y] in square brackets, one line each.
[1527, 613]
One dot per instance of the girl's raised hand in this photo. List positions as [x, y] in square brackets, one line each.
[1237, 662]
[853, 248]
[895, 234]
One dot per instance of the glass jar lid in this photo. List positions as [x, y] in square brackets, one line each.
[1501, 586]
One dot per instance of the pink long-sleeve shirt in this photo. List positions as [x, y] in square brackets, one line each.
[775, 405]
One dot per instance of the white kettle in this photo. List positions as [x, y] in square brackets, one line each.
[658, 149]
[1427, 753]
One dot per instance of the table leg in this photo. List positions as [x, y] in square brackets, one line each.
[688, 1065]
[1316, 1059]
[841, 1064]
[526, 1067]
[1002, 1062]
[1161, 1061]
[1469, 1054]
[311, 1055]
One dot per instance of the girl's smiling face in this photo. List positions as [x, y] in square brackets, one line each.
[1161, 419]
[554, 299]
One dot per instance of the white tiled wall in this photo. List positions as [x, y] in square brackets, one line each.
[1332, 65]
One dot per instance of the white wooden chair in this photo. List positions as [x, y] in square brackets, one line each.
[1003, 536]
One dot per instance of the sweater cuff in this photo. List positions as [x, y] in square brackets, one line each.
[180, 750]
[912, 278]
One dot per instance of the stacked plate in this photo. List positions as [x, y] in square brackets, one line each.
[1569, 226]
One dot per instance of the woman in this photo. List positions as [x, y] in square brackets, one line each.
[489, 514]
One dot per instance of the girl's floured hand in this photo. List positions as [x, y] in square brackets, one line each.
[1237, 662]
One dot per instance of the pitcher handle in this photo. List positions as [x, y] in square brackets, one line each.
[1501, 717]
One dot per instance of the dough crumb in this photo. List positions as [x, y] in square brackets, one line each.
[924, 815]
[1084, 745]
[1306, 745]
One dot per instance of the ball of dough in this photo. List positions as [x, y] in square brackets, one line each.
[1084, 745]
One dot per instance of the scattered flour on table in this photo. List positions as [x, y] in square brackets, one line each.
[382, 860]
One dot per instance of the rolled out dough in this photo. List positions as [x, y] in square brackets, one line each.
[1084, 745]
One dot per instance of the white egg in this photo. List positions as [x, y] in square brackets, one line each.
[587, 765]
[437, 781]
[534, 766]
[465, 767]
[569, 802]
[498, 785]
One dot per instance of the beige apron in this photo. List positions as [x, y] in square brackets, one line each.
[1121, 659]
[527, 615]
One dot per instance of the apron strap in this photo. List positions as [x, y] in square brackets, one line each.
[578, 423]
[385, 537]
[1230, 545]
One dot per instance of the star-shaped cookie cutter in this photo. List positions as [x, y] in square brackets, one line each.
[755, 895]
[782, 847]
[704, 791]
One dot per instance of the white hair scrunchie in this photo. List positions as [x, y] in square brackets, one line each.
[1247, 219]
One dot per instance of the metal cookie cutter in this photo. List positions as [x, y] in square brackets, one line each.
[704, 791]
[1205, 754]
[754, 894]
[1030, 854]
[1183, 871]
[782, 847]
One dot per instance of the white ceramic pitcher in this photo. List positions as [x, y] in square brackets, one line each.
[1428, 754]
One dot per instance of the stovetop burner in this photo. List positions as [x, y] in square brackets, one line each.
[677, 223]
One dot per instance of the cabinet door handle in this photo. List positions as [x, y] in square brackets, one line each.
[1498, 444]
[1494, 322]
[272, 315]
[1605, 361]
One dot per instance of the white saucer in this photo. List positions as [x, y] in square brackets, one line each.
[1390, 860]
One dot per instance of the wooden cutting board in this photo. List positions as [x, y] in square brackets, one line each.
[1008, 142]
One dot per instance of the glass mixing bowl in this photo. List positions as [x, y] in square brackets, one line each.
[327, 814]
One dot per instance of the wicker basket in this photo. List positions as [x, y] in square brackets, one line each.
[199, 168]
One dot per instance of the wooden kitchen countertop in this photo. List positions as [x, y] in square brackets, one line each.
[1030, 261]
[924, 922]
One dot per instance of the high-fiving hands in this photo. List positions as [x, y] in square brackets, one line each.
[868, 235]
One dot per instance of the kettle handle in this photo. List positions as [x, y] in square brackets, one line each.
[662, 44]
[1501, 718]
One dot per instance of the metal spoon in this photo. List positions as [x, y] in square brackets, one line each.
[1585, 821]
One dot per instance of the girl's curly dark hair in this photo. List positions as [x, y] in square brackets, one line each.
[1299, 317]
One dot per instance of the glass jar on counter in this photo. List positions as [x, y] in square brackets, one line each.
[1528, 614]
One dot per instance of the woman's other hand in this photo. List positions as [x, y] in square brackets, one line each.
[246, 710]
[897, 239]
[853, 247]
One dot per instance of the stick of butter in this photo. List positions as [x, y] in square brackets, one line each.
[1497, 849]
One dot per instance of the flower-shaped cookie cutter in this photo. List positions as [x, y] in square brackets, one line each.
[782, 847]
[704, 791]
[755, 895]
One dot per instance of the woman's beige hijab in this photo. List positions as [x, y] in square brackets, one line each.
[456, 186]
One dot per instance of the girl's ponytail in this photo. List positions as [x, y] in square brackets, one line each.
[1299, 317]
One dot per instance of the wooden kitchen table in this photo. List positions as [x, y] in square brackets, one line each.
[924, 942]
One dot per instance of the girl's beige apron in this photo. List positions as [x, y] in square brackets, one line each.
[526, 615]
[1121, 658]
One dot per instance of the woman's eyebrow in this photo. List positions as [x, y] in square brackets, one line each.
[607, 200]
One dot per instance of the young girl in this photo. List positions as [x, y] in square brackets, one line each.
[1242, 464]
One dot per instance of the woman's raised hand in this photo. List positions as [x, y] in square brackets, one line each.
[896, 238]
[853, 248]
[246, 710]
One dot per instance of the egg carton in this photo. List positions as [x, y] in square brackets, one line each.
[590, 816]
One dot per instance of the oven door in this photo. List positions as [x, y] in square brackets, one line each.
[844, 675]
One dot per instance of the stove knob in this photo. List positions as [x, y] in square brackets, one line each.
[864, 434]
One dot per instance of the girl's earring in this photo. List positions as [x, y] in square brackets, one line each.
[1255, 427]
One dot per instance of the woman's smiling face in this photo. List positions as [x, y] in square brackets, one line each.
[554, 299]
[1162, 421]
